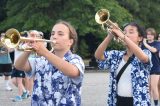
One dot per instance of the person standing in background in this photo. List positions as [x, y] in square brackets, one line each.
[159, 78]
[23, 82]
[33, 34]
[5, 64]
[154, 46]
[18, 76]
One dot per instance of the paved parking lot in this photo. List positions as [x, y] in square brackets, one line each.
[93, 92]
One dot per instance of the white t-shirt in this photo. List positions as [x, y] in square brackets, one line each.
[17, 54]
[125, 84]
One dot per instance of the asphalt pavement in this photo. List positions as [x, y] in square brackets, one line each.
[94, 91]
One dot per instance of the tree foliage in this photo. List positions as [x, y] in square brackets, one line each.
[43, 14]
[146, 12]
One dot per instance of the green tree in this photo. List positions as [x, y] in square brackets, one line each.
[3, 14]
[42, 14]
[83, 49]
[145, 12]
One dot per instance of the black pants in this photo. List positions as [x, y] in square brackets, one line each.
[124, 101]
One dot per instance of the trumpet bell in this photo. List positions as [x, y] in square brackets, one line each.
[102, 16]
[11, 38]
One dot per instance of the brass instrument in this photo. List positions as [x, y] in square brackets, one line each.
[1, 44]
[12, 39]
[102, 17]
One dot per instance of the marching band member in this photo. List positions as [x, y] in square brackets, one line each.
[131, 88]
[154, 47]
[58, 75]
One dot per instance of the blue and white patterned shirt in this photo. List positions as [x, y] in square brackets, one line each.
[139, 76]
[52, 87]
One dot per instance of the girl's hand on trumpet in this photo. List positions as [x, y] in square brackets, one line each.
[111, 31]
[118, 33]
[40, 48]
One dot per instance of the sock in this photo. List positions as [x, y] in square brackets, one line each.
[7, 83]
[24, 90]
[156, 102]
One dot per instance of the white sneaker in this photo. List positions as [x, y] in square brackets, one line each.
[8, 88]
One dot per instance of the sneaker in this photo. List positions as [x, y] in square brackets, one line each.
[28, 96]
[17, 99]
[8, 88]
[24, 95]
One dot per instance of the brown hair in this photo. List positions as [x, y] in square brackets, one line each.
[72, 34]
[140, 29]
[152, 31]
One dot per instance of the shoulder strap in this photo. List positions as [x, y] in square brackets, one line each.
[123, 68]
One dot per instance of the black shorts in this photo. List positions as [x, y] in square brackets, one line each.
[17, 73]
[154, 73]
[124, 101]
[6, 69]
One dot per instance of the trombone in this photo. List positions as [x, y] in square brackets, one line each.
[12, 39]
[102, 17]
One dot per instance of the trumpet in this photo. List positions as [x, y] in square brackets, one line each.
[102, 17]
[13, 39]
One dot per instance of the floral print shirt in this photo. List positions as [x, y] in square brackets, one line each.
[52, 87]
[139, 76]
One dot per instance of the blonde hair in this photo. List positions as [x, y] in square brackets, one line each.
[38, 33]
[152, 31]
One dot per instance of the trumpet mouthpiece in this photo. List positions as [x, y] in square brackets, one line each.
[54, 41]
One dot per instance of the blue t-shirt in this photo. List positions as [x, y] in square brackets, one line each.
[5, 58]
[155, 57]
